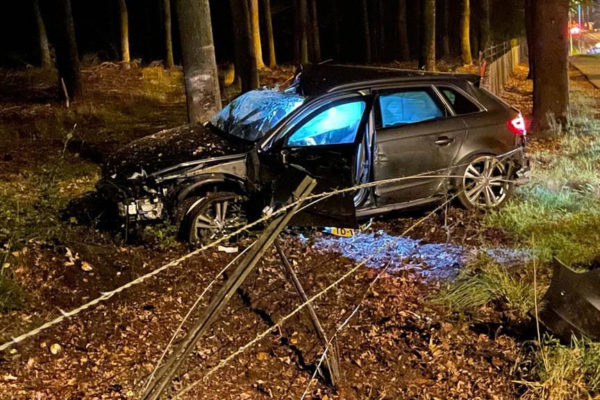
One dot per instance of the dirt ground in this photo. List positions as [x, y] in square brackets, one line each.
[398, 346]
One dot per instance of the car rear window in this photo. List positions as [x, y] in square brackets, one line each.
[408, 107]
[460, 104]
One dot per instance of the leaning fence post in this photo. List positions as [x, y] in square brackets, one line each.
[166, 373]
[331, 360]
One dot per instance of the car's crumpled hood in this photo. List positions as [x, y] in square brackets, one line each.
[168, 148]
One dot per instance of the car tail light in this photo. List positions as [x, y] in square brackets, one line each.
[517, 125]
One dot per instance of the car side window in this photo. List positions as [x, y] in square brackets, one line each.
[335, 125]
[408, 107]
[460, 104]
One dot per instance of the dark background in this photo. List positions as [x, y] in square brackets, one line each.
[97, 29]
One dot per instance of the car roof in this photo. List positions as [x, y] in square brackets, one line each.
[316, 80]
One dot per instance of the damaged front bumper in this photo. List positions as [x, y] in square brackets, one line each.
[145, 209]
[130, 207]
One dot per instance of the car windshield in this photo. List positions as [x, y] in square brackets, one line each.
[253, 114]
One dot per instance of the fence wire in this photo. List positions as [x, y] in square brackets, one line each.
[435, 174]
[331, 286]
[501, 61]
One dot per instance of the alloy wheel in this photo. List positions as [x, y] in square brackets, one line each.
[216, 218]
[485, 182]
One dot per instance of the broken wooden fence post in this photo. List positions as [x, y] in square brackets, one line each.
[331, 361]
[165, 374]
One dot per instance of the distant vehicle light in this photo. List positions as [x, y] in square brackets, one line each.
[517, 125]
[575, 31]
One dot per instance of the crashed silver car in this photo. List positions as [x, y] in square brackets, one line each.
[341, 125]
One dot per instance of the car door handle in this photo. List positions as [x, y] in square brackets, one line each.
[444, 141]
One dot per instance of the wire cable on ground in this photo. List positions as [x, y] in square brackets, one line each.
[107, 295]
[278, 324]
[365, 294]
[191, 310]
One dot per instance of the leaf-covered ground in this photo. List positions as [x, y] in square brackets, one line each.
[403, 343]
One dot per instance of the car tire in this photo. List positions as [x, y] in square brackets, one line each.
[210, 217]
[483, 182]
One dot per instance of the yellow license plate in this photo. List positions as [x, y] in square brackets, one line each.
[343, 232]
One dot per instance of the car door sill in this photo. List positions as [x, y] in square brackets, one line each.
[361, 213]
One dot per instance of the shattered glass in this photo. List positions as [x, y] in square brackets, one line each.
[432, 260]
[253, 114]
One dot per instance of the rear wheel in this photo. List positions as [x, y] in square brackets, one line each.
[484, 183]
[211, 217]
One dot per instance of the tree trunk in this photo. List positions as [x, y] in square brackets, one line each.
[529, 13]
[45, 59]
[245, 57]
[199, 64]
[446, 29]
[484, 26]
[421, 27]
[551, 49]
[367, 31]
[465, 32]
[124, 22]
[403, 31]
[62, 36]
[169, 62]
[429, 34]
[316, 36]
[336, 29]
[303, 33]
[255, 22]
[270, 34]
[381, 43]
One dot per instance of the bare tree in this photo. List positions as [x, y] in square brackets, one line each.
[550, 49]
[403, 31]
[62, 36]
[124, 23]
[380, 44]
[45, 59]
[169, 61]
[245, 58]
[199, 63]
[529, 23]
[336, 28]
[367, 31]
[446, 28]
[302, 34]
[314, 32]
[270, 34]
[484, 25]
[465, 32]
[255, 21]
[429, 34]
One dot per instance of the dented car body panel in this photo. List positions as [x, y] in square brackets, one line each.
[341, 125]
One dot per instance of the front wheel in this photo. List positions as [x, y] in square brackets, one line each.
[211, 217]
[483, 183]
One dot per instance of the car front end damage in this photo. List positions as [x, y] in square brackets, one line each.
[142, 199]
[129, 205]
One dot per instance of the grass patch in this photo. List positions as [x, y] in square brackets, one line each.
[565, 372]
[11, 294]
[560, 208]
[30, 204]
[482, 282]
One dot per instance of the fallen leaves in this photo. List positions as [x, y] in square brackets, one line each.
[55, 348]
[85, 266]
